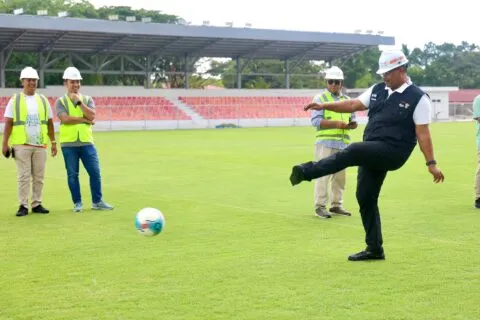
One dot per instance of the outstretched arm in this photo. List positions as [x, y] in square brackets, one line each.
[344, 106]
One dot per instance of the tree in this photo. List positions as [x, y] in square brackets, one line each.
[446, 65]
[268, 74]
[359, 69]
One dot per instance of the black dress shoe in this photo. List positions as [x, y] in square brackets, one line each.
[477, 203]
[367, 255]
[297, 175]
[40, 209]
[22, 211]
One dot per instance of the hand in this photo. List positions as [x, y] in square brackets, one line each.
[73, 96]
[352, 125]
[436, 173]
[5, 150]
[54, 149]
[312, 105]
[88, 121]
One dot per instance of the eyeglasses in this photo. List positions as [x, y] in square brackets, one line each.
[337, 82]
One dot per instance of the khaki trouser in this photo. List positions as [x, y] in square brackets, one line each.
[477, 177]
[30, 166]
[321, 184]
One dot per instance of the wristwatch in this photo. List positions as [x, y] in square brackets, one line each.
[431, 162]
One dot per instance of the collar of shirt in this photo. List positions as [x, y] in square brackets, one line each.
[336, 96]
[399, 89]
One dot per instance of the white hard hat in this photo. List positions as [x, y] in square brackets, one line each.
[334, 73]
[29, 73]
[72, 73]
[390, 60]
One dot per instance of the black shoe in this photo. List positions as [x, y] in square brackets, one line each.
[40, 209]
[477, 203]
[297, 175]
[367, 255]
[22, 211]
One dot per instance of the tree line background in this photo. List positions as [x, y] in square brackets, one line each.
[444, 64]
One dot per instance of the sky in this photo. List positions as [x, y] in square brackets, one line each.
[411, 22]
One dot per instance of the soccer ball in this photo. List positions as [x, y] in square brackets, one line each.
[149, 221]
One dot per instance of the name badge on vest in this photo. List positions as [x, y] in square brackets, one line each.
[404, 105]
[373, 97]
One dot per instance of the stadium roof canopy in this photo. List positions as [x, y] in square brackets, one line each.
[45, 35]
[25, 33]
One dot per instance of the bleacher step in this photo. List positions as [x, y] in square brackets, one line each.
[185, 108]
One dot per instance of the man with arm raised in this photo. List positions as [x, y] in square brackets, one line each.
[399, 115]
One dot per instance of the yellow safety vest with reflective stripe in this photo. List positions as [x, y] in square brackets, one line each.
[333, 134]
[20, 112]
[75, 132]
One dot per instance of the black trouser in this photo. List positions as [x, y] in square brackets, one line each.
[374, 159]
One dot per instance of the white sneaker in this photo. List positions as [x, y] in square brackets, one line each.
[78, 207]
[102, 205]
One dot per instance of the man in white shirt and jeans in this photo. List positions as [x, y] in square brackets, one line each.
[398, 117]
[28, 127]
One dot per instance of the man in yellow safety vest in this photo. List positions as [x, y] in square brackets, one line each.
[28, 128]
[77, 115]
[333, 135]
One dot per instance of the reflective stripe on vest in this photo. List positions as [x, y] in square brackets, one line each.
[333, 133]
[19, 134]
[75, 132]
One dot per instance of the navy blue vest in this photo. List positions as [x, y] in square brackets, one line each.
[390, 119]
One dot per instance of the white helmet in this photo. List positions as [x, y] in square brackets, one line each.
[334, 73]
[72, 73]
[29, 73]
[390, 60]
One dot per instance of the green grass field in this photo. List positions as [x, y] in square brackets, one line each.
[239, 241]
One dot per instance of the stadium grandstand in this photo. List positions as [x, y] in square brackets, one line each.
[149, 108]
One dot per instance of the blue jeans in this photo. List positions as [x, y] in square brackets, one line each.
[89, 157]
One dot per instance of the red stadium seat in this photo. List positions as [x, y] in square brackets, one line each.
[229, 107]
[125, 108]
